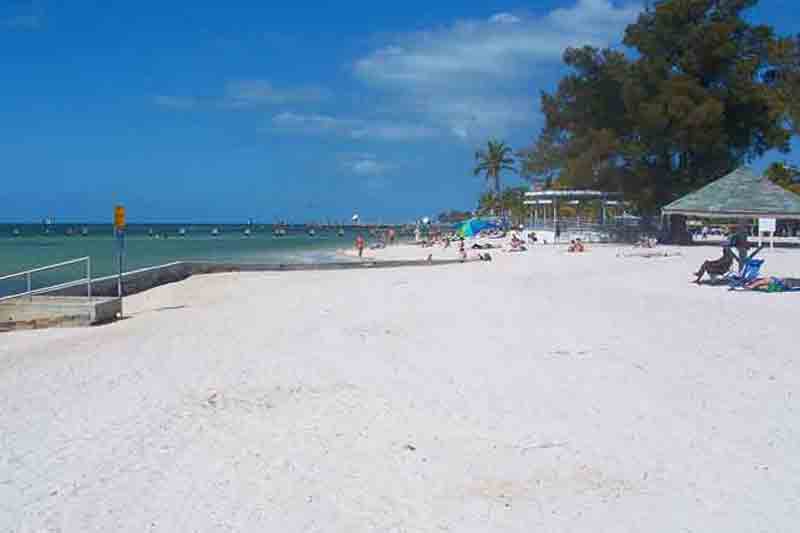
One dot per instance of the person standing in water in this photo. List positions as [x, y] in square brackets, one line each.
[360, 245]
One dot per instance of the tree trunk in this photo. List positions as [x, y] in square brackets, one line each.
[678, 232]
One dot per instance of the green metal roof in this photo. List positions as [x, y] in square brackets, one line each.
[740, 194]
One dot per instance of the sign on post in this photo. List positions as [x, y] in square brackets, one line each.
[767, 225]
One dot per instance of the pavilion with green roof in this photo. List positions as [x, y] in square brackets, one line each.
[739, 195]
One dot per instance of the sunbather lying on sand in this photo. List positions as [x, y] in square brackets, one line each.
[773, 284]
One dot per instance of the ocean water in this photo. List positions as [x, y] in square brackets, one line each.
[32, 248]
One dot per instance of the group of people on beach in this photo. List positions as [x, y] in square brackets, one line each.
[516, 243]
[721, 268]
[389, 238]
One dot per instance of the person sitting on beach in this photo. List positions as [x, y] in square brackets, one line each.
[461, 250]
[576, 246]
[716, 267]
[517, 244]
[532, 237]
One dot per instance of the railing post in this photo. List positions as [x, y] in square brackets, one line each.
[89, 278]
[28, 279]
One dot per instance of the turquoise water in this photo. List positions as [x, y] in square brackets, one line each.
[33, 248]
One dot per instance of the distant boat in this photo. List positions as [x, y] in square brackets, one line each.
[311, 232]
[341, 232]
[247, 232]
[15, 232]
[215, 232]
[182, 232]
[84, 231]
[279, 232]
[150, 232]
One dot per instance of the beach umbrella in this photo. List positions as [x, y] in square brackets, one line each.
[474, 226]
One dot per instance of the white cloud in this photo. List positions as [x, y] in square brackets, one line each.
[366, 167]
[182, 103]
[354, 128]
[477, 77]
[504, 18]
[246, 94]
[251, 93]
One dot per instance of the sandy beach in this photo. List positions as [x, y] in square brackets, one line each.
[542, 391]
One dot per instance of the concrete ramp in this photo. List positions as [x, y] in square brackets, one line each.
[56, 311]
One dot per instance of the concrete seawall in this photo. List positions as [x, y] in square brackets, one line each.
[40, 312]
[147, 278]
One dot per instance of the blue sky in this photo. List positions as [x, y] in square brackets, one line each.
[222, 111]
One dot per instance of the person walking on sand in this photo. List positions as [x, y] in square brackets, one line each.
[360, 245]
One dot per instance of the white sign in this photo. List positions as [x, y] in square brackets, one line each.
[766, 225]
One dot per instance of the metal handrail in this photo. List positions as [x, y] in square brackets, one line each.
[31, 292]
[45, 268]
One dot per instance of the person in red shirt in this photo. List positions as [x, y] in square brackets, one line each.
[360, 245]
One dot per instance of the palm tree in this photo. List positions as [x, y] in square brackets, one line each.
[491, 162]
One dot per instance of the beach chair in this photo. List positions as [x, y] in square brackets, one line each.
[749, 273]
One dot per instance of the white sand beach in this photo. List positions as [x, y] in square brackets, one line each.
[541, 391]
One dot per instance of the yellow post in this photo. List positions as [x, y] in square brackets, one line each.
[119, 217]
[119, 230]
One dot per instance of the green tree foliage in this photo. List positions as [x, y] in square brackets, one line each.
[510, 203]
[705, 93]
[492, 161]
[786, 176]
[453, 216]
[785, 78]
[488, 204]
